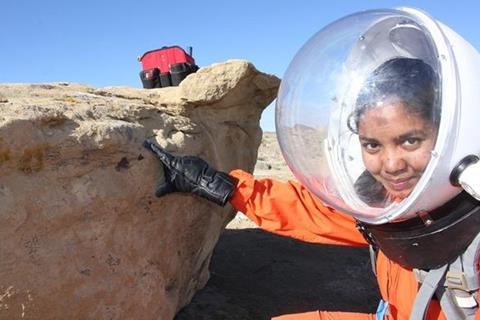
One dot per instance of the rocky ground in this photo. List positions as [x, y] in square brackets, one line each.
[258, 275]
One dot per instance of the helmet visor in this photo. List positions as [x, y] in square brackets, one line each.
[358, 112]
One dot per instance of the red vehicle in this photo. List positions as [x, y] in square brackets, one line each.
[166, 66]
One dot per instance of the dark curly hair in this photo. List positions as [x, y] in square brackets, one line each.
[411, 81]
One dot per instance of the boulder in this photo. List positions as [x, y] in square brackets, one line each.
[82, 235]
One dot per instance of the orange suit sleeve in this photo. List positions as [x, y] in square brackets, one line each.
[289, 209]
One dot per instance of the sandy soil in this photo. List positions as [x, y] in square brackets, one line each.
[258, 275]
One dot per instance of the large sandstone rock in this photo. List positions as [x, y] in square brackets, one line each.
[82, 235]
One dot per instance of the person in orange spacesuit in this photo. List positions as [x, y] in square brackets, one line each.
[361, 182]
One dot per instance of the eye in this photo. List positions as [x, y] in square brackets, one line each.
[412, 142]
[371, 146]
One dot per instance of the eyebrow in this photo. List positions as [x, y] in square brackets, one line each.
[367, 139]
[414, 132]
[409, 134]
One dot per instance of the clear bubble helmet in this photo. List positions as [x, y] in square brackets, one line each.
[338, 91]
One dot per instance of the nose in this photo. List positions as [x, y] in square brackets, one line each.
[394, 162]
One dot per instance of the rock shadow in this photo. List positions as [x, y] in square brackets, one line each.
[258, 275]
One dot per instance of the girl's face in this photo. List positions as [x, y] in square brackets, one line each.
[396, 146]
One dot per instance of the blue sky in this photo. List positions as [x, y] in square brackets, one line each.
[97, 42]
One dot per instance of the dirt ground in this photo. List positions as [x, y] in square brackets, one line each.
[256, 275]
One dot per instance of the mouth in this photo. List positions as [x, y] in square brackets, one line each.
[402, 184]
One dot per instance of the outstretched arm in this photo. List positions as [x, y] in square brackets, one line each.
[289, 209]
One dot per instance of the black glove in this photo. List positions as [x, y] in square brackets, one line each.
[192, 174]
